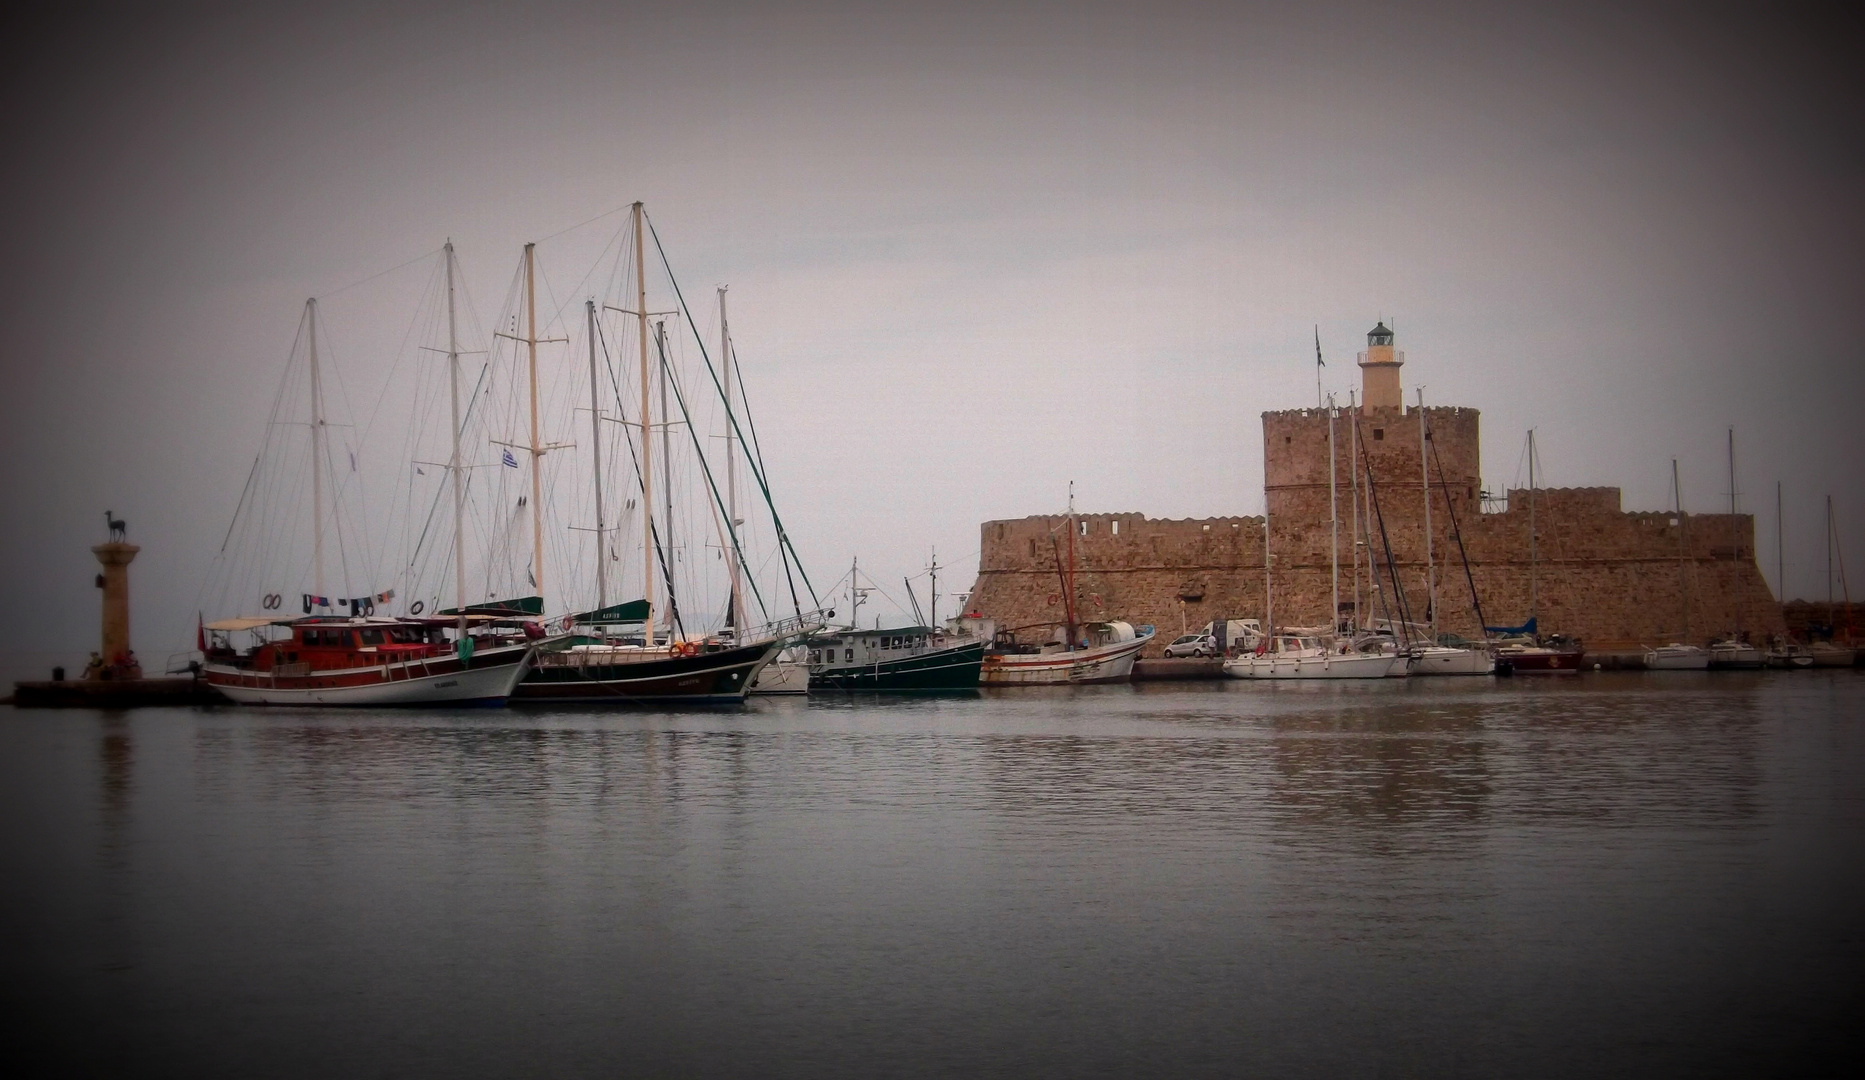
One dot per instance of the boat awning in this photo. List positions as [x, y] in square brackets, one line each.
[523, 605]
[632, 611]
[250, 622]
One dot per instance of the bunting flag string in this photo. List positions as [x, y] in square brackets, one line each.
[359, 605]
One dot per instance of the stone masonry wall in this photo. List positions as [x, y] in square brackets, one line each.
[1609, 577]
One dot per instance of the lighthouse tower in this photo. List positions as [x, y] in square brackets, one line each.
[1379, 371]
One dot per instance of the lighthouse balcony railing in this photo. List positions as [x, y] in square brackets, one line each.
[1398, 356]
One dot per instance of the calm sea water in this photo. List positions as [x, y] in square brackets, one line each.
[1617, 874]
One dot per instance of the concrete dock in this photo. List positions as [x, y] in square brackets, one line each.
[113, 693]
[1163, 669]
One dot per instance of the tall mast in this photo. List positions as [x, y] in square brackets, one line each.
[1780, 557]
[595, 448]
[537, 448]
[318, 436]
[1353, 466]
[934, 570]
[1375, 593]
[1531, 528]
[1735, 534]
[1683, 566]
[453, 465]
[1424, 470]
[1333, 528]
[1068, 592]
[1269, 595]
[647, 440]
[667, 554]
[1829, 558]
[731, 470]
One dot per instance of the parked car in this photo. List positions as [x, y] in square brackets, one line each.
[1193, 645]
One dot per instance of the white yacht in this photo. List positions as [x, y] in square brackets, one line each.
[1675, 657]
[1288, 656]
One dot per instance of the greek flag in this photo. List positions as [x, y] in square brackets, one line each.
[510, 460]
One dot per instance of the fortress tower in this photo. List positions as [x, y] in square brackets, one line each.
[1616, 579]
[1379, 371]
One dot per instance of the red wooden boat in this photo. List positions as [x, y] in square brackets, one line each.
[332, 660]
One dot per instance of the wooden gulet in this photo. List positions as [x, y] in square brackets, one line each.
[366, 660]
[721, 668]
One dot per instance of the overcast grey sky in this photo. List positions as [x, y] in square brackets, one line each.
[975, 251]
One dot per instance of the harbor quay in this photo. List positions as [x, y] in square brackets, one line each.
[1571, 558]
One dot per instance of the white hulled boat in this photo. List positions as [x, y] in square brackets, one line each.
[357, 658]
[1675, 657]
[1449, 660]
[1732, 654]
[1288, 656]
[1101, 653]
[329, 660]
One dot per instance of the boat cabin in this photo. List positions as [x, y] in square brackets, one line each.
[864, 647]
[326, 643]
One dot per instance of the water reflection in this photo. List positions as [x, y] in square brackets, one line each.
[1279, 875]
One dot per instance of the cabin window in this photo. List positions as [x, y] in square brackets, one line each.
[848, 656]
[815, 657]
[372, 637]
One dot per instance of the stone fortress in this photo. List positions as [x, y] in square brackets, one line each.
[1612, 578]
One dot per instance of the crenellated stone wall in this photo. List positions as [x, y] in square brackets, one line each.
[1604, 575]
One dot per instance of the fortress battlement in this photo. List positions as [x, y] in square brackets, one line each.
[1590, 569]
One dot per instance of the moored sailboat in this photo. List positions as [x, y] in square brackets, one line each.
[361, 658]
[664, 663]
[1438, 658]
[1074, 652]
[1526, 652]
[1677, 657]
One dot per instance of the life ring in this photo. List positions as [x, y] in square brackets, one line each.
[1055, 598]
[687, 648]
[568, 623]
[416, 608]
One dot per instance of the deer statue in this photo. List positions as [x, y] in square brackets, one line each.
[119, 530]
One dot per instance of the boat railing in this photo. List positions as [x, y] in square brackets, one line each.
[793, 628]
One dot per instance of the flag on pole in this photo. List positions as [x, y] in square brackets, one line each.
[1320, 399]
[510, 460]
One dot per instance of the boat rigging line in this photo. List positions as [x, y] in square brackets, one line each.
[757, 469]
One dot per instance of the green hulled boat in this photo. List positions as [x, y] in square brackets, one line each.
[902, 658]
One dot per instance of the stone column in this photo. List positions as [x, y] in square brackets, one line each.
[115, 557]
